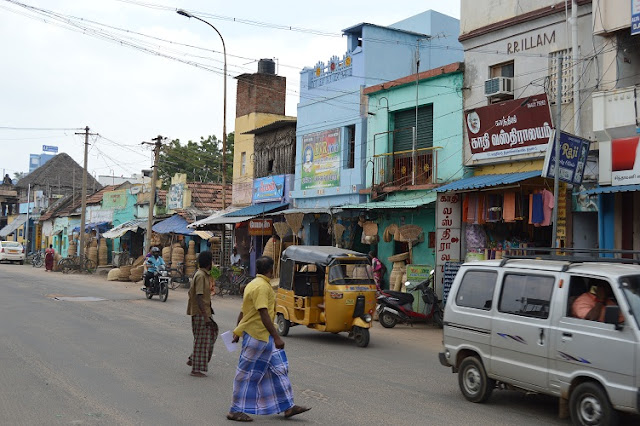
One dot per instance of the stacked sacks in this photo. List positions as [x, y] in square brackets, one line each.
[73, 248]
[177, 257]
[136, 273]
[125, 273]
[191, 259]
[92, 254]
[166, 255]
[103, 255]
[113, 274]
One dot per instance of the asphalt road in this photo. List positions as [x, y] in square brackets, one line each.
[121, 360]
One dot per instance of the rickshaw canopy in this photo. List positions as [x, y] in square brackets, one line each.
[322, 255]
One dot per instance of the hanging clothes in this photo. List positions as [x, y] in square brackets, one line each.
[509, 207]
[465, 209]
[481, 212]
[537, 213]
[548, 202]
[472, 208]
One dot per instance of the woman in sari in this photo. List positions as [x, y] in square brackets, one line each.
[49, 255]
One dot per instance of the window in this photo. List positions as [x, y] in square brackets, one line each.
[527, 295]
[502, 70]
[351, 146]
[405, 120]
[567, 76]
[270, 167]
[243, 163]
[476, 290]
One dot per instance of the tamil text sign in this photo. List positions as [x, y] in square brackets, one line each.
[269, 188]
[114, 199]
[321, 159]
[520, 126]
[573, 158]
[625, 161]
[259, 227]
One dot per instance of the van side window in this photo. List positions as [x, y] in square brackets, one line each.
[476, 289]
[527, 295]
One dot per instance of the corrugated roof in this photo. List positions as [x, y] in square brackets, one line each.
[611, 189]
[411, 203]
[485, 181]
[258, 209]
[15, 224]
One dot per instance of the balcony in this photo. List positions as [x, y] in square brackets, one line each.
[396, 170]
[615, 113]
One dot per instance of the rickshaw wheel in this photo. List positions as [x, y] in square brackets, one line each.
[282, 325]
[361, 336]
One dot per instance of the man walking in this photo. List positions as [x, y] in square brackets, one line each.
[262, 383]
[205, 330]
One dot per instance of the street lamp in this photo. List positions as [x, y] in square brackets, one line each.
[224, 113]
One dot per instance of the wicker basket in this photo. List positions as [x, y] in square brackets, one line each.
[389, 232]
[370, 229]
[125, 273]
[399, 257]
[408, 233]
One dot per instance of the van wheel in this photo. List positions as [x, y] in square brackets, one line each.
[590, 405]
[474, 383]
[282, 325]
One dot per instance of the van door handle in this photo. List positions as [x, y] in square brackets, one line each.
[565, 334]
[541, 341]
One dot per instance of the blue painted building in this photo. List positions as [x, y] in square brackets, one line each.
[331, 139]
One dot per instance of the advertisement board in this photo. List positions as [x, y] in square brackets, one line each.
[635, 17]
[259, 227]
[49, 148]
[321, 159]
[520, 126]
[269, 188]
[114, 199]
[175, 196]
[573, 158]
[418, 273]
[625, 161]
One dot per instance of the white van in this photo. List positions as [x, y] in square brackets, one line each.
[518, 323]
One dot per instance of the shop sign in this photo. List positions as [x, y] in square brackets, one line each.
[573, 158]
[448, 232]
[635, 17]
[562, 215]
[516, 127]
[321, 159]
[49, 148]
[418, 273]
[269, 188]
[101, 215]
[625, 161]
[258, 227]
[115, 199]
[175, 196]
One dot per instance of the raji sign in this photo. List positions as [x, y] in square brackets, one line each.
[269, 188]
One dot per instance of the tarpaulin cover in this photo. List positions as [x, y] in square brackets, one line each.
[176, 224]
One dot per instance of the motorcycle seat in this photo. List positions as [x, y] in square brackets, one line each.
[403, 298]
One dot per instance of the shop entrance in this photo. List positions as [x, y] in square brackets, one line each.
[585, 230]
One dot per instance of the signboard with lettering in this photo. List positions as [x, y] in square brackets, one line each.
[269, 188]
[448, 232]
[114, 199]
[516, 127]
[49, 148]
[321, 159]
[449, 274]
[418, 273]
[635, 17]
[625, 161]
[175, 196]
[573, 158]
[259, 227]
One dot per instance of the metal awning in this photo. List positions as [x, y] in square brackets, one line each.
[15, 224]
[212, 219]
[611, 189]
[486, 181]
[123, 228]
[319, 210]
[410, 203]
[257, 209]
[226, 220]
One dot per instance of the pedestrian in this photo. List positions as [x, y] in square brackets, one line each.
[49, 256]
[261, 385]
[204, 328]
[377, 269]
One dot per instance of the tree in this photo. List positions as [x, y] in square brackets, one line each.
[18, 175]
[201, 161]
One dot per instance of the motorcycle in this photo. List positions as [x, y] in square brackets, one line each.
[159, 284]
[397, 307]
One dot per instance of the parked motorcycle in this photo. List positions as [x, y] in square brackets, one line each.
[397, 307]
[159, 284]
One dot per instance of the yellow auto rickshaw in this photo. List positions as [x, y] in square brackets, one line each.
[327, 289]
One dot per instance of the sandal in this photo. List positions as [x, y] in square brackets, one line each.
[239, 417]
[198, 374]
[189, 363]
[295, 410]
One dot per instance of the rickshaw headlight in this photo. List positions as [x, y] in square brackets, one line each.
[367, 317]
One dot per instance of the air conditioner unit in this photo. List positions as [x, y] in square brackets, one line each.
[498, 87]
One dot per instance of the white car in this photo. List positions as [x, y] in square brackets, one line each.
[12, 251]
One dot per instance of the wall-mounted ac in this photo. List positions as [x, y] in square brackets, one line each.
[498, 87]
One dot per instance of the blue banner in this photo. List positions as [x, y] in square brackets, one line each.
[268, 188]
[635, 17]
[573, 158]
[49, 148]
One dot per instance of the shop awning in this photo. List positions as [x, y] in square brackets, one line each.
[15, 224]
[410, 203]
[123, 228]
[319, 210]
[102, 227]
[211, 220]
[611, 189]
[226, 220]
[205, 235]
[487, 181]
[176, 224]
[257, 209]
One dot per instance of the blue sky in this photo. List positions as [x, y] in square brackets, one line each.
[57, 79]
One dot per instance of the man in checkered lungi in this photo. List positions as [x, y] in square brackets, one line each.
[262, 383]
[205, 330]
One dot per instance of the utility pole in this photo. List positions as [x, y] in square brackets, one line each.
[157, 145]
[83, 211]
[556, 169]
[576, 74]
[26, 226]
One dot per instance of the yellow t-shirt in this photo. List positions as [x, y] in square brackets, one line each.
[257, 295]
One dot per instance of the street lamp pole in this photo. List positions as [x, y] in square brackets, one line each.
[224, 113]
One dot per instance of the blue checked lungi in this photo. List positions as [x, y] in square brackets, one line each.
[262, 383]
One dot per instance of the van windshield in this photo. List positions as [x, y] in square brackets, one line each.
[350, 272]
[631, 288]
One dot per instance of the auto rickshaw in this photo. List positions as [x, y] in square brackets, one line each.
[327, 289]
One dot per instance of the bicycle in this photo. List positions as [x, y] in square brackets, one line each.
[36, 259]
[69, 264]
[232, 280]
[181, 279]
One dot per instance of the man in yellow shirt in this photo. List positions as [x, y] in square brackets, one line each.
[262, 383]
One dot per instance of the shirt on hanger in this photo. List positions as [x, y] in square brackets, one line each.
[537, 214]
[509, 207]
[548, 202]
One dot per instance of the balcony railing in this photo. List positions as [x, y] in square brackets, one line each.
[405, 168]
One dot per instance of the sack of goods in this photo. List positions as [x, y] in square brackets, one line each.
[125, 273]
[113, 274]
[166, 254]
[136, 273]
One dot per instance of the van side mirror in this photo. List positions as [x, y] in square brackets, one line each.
[611, 315]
